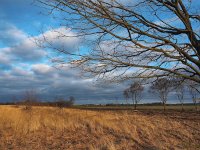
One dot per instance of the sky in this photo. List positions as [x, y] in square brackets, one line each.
[26, 66]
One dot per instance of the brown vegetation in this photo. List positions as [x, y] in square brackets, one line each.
[53, 128]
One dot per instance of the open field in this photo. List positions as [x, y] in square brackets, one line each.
[54, 128]
[171, 107]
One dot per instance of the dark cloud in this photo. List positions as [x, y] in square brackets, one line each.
[22, 61]
[24, 65]
[50, 82]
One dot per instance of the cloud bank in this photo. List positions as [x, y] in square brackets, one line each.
[26, 66]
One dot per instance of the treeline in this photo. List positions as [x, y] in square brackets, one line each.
[59, 103]
[30, 99]
[161, 88]
[142, 104]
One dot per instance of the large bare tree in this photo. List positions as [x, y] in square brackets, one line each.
[134, 39]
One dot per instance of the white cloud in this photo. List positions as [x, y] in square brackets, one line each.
[29, 71]
[61, 38]
[10, 34]
[42, 68]
[18, 47]
[3, 57]
[28, 51]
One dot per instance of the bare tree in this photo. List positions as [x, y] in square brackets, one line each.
[135, 92]
[61, 102]
[194, 91]
[71, 100]
[134, 39]
[30, 98]
[126, 95]
[180, 90]
[162, 87]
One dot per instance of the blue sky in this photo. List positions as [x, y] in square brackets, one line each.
[25, 66]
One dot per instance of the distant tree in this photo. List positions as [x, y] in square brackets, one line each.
[162, 87]
[30, 98]
[135, 91]
[62, 103]
[71, 99]
[126, 95]
[193, 88]
[59, 102]
[180, 90]
[14, 100]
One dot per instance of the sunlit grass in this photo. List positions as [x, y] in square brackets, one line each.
[107, 128]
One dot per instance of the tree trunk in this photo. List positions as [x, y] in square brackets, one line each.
[195, 104]
[182, 107]
[133, 101]
[164, 106]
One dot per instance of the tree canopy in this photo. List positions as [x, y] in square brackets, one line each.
[134, 39]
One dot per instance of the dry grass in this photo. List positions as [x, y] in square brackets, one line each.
[53, 128]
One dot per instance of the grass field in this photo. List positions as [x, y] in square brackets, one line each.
[45, 128]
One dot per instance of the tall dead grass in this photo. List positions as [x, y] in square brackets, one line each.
[99, 130]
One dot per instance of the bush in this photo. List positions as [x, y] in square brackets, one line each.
[61, 103]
